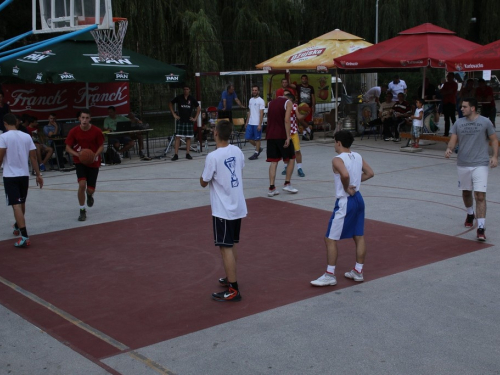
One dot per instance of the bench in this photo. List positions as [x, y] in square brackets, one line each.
[426, 136]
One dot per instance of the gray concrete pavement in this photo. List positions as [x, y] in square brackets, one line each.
[442, 318]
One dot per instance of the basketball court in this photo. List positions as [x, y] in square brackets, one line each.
[128, 291]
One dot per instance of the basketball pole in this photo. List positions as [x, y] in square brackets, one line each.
[5, 3]
[33, 48]
[8, 42]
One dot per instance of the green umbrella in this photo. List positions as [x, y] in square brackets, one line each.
[78, 61]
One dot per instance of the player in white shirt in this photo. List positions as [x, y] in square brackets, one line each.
[348, 217]
[223, 173]
[253, 126]
[16, 148]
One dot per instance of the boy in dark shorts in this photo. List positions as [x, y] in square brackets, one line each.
[15, 149]
[223, 173]
[83, 136]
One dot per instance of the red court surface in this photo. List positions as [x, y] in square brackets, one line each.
[149, 279]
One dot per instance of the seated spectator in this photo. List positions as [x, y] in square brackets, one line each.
[110, 125]
[401, 112]
[53, 130]
[385, 117]
[137, 136]
[43, 152]
[22, 122]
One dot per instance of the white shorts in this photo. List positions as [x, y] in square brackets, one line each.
[473, 178]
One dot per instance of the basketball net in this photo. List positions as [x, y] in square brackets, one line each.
[110, 41]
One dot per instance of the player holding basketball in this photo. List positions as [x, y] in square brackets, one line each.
[223, 173]
[473, 133]
[15, 148]
[348, 217]
[87, 136]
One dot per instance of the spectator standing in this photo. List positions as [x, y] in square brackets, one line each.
[226, 103]
[373, 95]
[473, 133]
[449, 94]
[4, 109]
[396, 86]
[186, 106]
[223, 173]
[253, 126]
[305, 94]
[348, 217]
[88, 136]
[486, 98]
[43, 152]
[285, 86]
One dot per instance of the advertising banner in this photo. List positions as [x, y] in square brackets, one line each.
[67, 99]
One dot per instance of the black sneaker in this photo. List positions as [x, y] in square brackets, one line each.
[311, 135]
[469, 221]
[304, 138]
[223, 282]
[230, 295]
[480, 234]
[176, 157]
[255, 156]
[83, 215]
[189, 157]
[90, 200]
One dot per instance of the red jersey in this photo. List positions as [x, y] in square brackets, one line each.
[92, 139]
[276, 119]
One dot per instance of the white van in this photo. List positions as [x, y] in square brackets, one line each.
[327, 107]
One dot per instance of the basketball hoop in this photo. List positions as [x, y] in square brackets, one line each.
[110, 41]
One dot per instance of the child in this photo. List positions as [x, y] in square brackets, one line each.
[223, 172]
[348, 217]
[417, 118]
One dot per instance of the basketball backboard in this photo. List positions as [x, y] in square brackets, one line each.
[52, 16]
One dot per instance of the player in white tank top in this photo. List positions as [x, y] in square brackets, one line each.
[348, 216]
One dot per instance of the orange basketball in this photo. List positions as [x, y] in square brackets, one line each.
[304, 108]
[86, 156]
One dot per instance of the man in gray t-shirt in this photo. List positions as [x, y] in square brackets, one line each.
[474, 134]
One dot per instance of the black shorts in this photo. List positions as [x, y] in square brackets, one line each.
[121, 140]
[226, 232]
[276, 150]
[87, 173]
[16, 189]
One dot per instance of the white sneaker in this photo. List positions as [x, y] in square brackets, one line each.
[354, 275]
[290, 189]
[272, 193]
[325, 280]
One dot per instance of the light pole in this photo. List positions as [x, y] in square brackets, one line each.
[376, 22]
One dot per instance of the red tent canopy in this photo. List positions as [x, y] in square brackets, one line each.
[421, 46]
[482, 58]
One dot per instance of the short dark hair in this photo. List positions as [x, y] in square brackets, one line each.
[345, 137]
[472, 102]
[10, 119]
[110, 107]
[304, 75]
[224, 129]
[258, 88]
[420, 100]
[229, 86]
[290, 96]
[481, 80]
[52, 114]
[186, 87]
[87, 111]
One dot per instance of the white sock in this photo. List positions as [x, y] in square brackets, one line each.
[358, 267]
[304, 132]
[330, 270]
[470, 210]
[82, 207]
[480, 223]
[299, 165]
